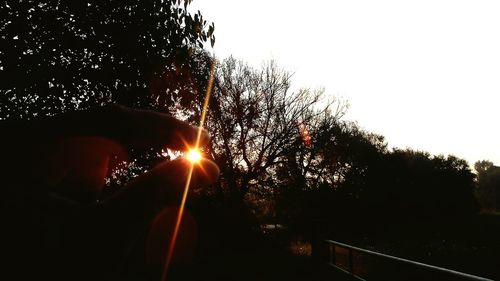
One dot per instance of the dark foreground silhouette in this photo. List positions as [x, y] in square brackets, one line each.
[53, 169]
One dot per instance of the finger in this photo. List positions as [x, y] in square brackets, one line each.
[28, 139]
[134, 128]
[163, 185]
[143, 128]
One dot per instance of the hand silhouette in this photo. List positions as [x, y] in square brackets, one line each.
[54, 168]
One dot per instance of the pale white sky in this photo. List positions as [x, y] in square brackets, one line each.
[425, 74]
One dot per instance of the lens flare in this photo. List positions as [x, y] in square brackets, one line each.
[193, 155]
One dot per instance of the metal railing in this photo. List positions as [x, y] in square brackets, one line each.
[362, 264]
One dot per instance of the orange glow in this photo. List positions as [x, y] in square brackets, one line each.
[304, 134]
[193, 154]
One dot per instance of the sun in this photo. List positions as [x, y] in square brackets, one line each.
[193, 155]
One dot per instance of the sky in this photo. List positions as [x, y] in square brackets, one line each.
[425, 74]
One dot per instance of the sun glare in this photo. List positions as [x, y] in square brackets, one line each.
[193, 155]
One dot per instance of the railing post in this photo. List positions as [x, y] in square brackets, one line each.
[319, 250]
[351, 265]
[332, 257]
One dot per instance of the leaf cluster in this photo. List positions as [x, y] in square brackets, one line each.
[60, 55]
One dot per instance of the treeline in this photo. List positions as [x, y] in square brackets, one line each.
[290, 162]
[292, 157]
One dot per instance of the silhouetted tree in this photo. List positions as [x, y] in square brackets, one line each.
[360, 183]
[488, 180]
[321, 184]
[59, 55]
[414, 184]
[255, 120]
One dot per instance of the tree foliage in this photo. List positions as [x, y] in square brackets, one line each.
[60, 55]
[324, 181]
[255, 120]
[417, 184]
[488, 181]
[295, 158]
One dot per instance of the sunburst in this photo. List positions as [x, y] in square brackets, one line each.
[194, 156]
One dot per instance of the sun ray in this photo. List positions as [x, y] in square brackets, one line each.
[178, 222]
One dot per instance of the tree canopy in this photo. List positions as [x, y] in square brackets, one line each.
[294, 158]
[256, 120]
[60, 55]
[488, 181]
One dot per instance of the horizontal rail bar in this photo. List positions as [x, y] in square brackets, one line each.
[410, 262]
